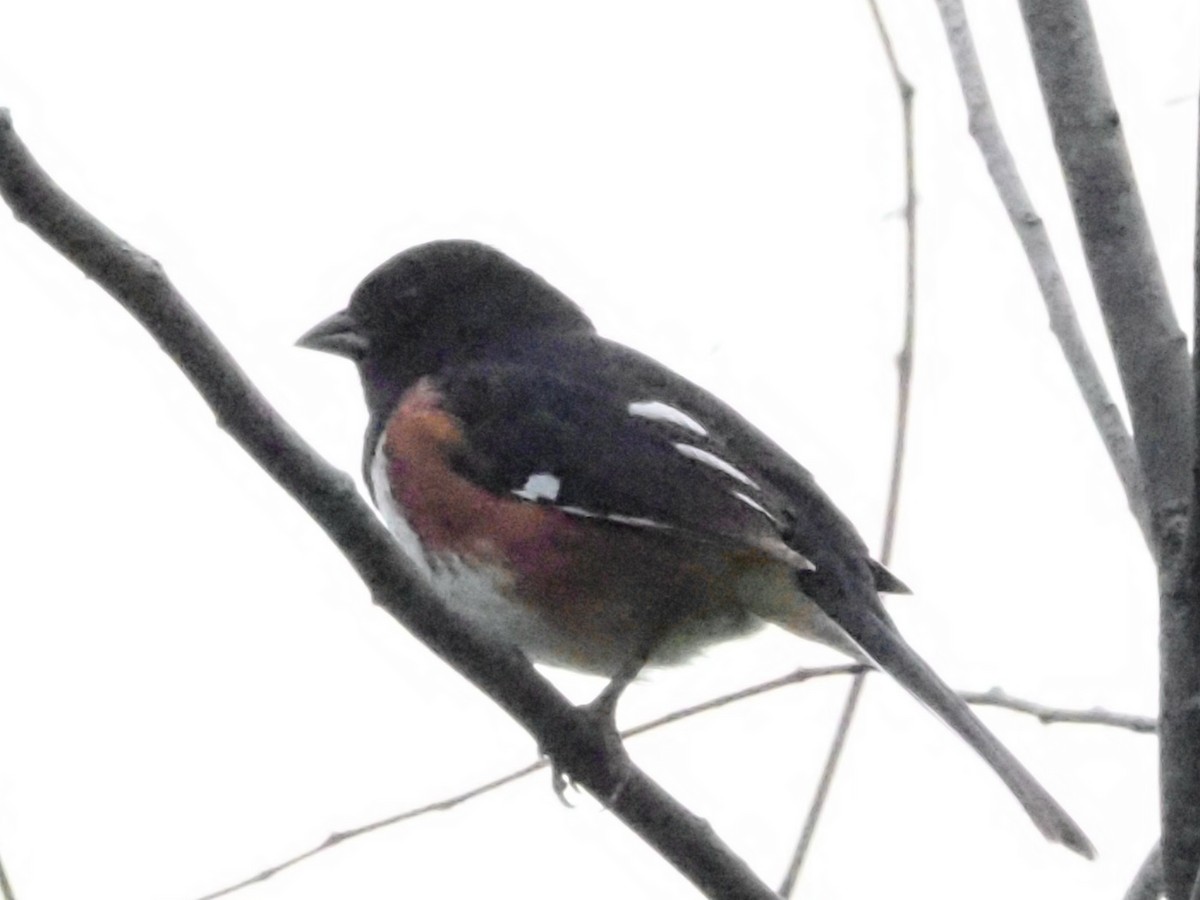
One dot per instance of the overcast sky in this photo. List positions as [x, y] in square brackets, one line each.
[193, 684]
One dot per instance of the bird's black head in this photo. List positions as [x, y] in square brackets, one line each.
[441, 303]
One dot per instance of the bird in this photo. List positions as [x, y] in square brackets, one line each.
[569, 496]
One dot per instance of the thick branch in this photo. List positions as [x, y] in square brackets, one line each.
[1180, 626]
[571, 738]
[1035, 241]
[1151, 356]
[1180, 715]
[1181, 607]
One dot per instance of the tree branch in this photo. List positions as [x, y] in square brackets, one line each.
[1180, 628]
[904, 368]
[1053, 715]
[339, 837]
[1151, 357]
[570, 737]
[1035, 241]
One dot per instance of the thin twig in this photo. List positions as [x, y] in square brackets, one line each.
[1035, 241]
[447, 803]
[571, 737]
[849, 707]
[6, 891]
[904, 367]
[1051, 715]
[904, 360]
[797, 677]
[339, 837]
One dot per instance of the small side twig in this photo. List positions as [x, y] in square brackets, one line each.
[904, 368]
[339, 837]
[1052, 715]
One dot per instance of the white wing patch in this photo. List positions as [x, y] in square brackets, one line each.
[754, 504]
[635, 521]
[715, 462]
[540, 486]
[580, 512]
[657, 411]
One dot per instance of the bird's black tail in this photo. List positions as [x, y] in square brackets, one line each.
[882, 643]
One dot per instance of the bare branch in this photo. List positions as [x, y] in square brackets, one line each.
[573, 739]
[339, 837]
[1031, 230]
[792, 875]
[797, 677]
[904, 368]
[1184, 600]
[1180, 629]
[1053, 715]
[904, 360]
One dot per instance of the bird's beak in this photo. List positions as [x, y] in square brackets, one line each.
[339, 334]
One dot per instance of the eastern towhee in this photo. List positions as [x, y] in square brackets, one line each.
[573, 497]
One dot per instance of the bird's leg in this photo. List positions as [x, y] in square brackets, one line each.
[603, 710]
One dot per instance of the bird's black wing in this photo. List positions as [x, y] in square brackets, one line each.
[604, 450]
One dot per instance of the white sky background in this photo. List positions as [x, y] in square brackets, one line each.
[192, 682]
